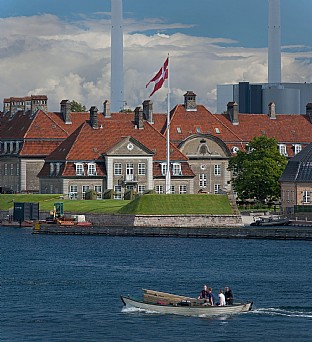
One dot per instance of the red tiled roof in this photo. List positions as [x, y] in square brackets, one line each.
[286, 128]
[38, 147]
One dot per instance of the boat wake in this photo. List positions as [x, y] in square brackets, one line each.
[132, 309]
[300, 312]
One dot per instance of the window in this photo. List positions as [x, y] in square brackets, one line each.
[282, 149]
[12, 170]
[159, 189]
[217, 170]
[172, 189]
[51, 188]
[91, 169]
[163, 168]
[217, 130]
[5, 169]
[182, 189]
[117, 169]
[58, 166]
[141, 169]
[141, 189]
[176, 169]
[297, 148]
[85, 188]
[202, 180]
[179, 130]
[217, 188]
[117, 192]
[306, 197]
[79, 169]
[51, 168]
[98, 189]
[129, 172]
[197, 129]
[73, 192]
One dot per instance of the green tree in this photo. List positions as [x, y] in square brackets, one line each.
[77, 107]
[256, 173]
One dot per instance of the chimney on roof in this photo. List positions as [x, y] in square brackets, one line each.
[190, 101]
[94, 117]
[148, 111]
[272, 113]
[138, 118]
[309, 111]
[232, 110]
[107, 111]
[65, 110]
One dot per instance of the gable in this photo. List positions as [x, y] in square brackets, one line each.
[129, 146]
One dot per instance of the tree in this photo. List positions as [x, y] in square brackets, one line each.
[77, 107]
[256, 172]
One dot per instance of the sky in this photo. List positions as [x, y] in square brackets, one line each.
[62, 48]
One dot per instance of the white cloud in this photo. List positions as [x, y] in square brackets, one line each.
[71, 60]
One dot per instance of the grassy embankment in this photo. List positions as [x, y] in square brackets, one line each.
[147, 204]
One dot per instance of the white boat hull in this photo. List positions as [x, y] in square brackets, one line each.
[191, 310]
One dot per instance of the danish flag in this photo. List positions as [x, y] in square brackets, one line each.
[160, 77]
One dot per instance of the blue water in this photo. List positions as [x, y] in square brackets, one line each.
[67, 288]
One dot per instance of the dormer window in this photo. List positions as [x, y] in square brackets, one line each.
[79, 169]
[282, 149]
[51, 168]
[163, 168]
[176, 169]
[58, 166]
[91, 169]
[198, 130]
[297, 148]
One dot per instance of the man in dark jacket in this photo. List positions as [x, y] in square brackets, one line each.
[228, 296]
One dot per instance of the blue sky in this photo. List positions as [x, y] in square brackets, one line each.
[211, 42]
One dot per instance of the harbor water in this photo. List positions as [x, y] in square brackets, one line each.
[67, 288]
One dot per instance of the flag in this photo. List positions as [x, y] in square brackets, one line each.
[160, 77]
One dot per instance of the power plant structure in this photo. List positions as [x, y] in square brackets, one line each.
[117, 85]
[254, 98]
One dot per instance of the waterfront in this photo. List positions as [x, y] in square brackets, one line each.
[66, 288]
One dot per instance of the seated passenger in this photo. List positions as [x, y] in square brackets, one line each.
[204, 293]
[211, 297]
[228, 296]
[221, 298]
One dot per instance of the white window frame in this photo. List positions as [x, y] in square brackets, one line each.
[172, 189]
[141, 169]
[163, 168]
[117, 192]
[217, 169]
[117, 169]
[176, 169]
[130, 171]
[306, 197]
[98, 190]
[182, 189]
[12, 170]
[203, 180]
[84, 189]
[141, 189]
[5, 169]
[79, 169]
[159, 189]
[179, 130]
[73, 191]
[217, 187]
[91, 169]
[282, 149]
[297, 148]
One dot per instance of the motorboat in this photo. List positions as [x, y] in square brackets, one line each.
[272, 220]
[167, 303]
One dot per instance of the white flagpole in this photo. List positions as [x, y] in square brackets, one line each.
[168, 178]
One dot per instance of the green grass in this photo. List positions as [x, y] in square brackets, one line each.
[46, 203]
[179, 204]
[147, 204]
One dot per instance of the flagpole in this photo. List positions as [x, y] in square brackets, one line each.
[168, 178]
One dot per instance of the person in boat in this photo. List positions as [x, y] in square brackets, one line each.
[204, 293]
[221, 298]
[211, 299]
[228, 296]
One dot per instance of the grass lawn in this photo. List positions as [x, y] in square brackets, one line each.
[46, 203]
[147, 204]
[179, 204]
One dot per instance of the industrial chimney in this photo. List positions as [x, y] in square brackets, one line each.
[116, 57]
[274, 42]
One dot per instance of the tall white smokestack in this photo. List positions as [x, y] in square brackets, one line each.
[274, 44]
[116, 57]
